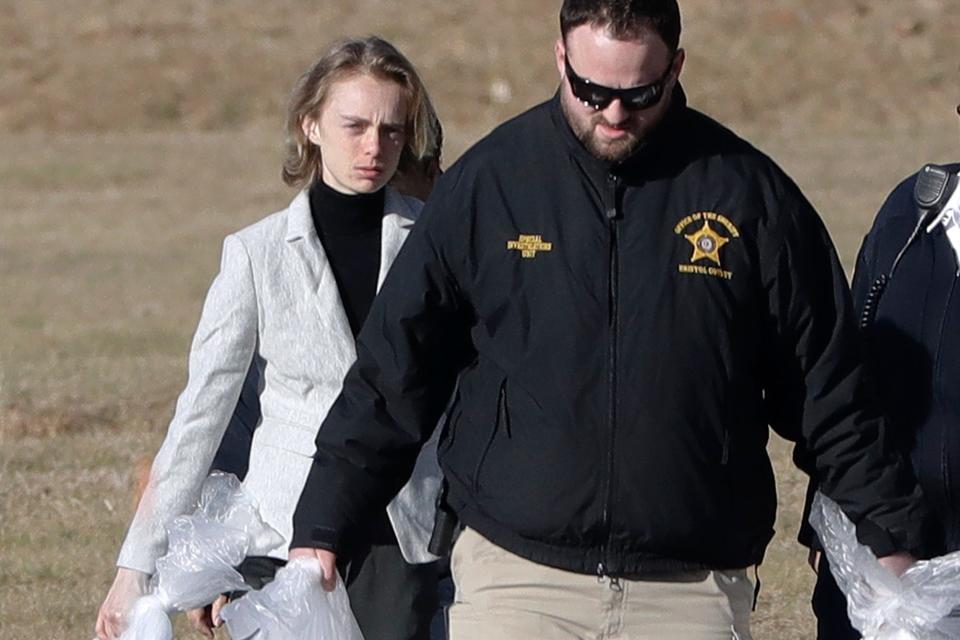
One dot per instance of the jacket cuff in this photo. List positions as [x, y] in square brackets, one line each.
[884, 542]
[315, 536]
[137, 559]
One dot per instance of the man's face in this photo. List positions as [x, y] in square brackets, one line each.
[613, 132]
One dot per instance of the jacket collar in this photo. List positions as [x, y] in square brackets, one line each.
[397, 212]
[302, 239]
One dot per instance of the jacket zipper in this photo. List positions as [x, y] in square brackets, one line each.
[612, 212]
[504, 414]
[944, 458]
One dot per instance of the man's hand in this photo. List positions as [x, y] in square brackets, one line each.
[898, 562]
[205, 619]
[813, 559]
[328, 563]
[126, 588]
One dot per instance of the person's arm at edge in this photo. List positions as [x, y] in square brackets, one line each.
[867, 269]
[221, 351]
[825, 404]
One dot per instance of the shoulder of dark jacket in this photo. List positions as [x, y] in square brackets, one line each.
[735, 164]
[691, 136]
[516, 141]
[899, 204]
[893, 224]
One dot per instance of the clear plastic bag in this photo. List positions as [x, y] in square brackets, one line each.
[293, 607]
[880, 605]
[149, 620]
[203, 549]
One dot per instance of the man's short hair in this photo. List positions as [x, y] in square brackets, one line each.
[625, 19]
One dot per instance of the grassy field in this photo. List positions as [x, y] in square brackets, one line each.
[136, 135]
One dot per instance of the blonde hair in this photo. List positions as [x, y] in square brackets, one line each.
[371, 55]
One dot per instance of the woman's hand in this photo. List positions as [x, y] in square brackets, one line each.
[129, 585]
[205, 619]
[897, 563]
[328, 563]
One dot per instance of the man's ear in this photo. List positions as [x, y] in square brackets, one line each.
[560, 51]
[678, 60]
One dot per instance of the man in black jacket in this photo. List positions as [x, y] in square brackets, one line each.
[628, 295]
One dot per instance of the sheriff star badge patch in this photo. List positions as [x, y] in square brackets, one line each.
[707, 232]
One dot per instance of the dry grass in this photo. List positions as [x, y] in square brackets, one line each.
[137, 134]
[185, 64]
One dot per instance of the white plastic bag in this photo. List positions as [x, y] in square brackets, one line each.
[293, 607]
[203, 549]
[880, 605]
[149, 620]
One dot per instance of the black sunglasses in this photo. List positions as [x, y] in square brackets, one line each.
[597, 96]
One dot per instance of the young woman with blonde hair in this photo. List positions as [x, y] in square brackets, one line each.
[284, 311]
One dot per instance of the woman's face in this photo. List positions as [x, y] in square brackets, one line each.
[361, 130]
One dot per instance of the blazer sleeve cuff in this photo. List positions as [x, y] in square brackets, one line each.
[884, 542]
[138, 562]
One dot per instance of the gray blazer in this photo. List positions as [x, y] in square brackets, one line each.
[275, 303]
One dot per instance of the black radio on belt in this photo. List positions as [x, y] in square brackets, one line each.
[444, 527]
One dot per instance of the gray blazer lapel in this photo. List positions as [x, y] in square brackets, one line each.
[303, 241]
[398, 219]
[305, 244]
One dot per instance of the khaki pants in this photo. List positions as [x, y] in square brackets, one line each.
[501, 596]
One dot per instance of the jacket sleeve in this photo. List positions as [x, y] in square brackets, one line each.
[220, 355]
[861, 284]
[869, 266]
[415, 341]
[817, 393]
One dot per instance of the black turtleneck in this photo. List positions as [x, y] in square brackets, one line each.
[349, 230]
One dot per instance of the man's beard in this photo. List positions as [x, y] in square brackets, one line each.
[607, 150]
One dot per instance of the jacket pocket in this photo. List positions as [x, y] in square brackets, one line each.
[502, 422]
[448, 434]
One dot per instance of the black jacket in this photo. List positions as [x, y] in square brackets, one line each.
[622, 335]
